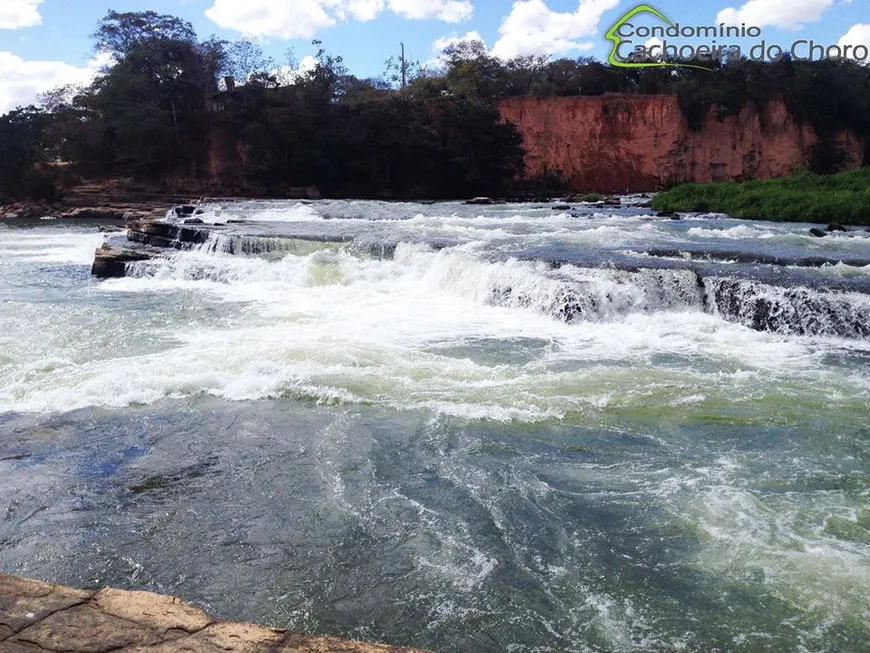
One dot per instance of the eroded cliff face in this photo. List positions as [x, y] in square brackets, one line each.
[620, 144]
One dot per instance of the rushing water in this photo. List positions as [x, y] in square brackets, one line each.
[461, 428]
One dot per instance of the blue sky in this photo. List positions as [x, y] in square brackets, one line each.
[43, 42]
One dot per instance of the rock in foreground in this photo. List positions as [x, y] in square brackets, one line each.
[37, 616]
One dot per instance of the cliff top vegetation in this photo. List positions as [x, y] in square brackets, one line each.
[150, 114]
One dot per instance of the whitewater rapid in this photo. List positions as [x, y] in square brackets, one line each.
[461, 428]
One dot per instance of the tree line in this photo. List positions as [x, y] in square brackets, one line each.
[150, 113]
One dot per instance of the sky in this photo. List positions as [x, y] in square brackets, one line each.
[44, 43]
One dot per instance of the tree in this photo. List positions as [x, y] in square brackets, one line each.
[397, 69]
[321, 83]
[245, 59]
[22, 144]
[119, 33]
[472, 73]
[145, 116]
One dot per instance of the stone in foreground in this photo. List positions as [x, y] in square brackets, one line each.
[41, 617]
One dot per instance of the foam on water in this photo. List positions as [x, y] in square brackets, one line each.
[336, 327]
[756, 532]
[739, 232]
[39, 247]
[846, 271]
[258, 212]
[616, 447]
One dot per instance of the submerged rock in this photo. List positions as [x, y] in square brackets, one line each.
[818, 233]
[836, 227]
[184, 210]
[585, 197]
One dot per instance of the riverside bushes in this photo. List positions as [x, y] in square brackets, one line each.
[842, 198]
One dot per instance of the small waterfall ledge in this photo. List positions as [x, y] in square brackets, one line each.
[592, 289]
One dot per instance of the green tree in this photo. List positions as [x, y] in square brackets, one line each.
[22, 143]
[120, 33]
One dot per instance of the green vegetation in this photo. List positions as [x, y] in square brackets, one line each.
[842, 198]
[158, 114]
[152, 115]
[588, 197]
[23, 147]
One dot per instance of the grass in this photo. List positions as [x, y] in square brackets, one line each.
[843, 198]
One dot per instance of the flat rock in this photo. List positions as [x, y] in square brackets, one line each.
[39, 617]
[25, 602]
[163, 612]
[87, 629]
[111, 262]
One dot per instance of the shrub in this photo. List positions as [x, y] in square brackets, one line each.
[843, 198]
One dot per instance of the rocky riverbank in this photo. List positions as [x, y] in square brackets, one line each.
[109, 200]
[36, 616]
[117, 211]
[96, 202]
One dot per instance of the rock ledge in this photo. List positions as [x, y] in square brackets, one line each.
[37, 616]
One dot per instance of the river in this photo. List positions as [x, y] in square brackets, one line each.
[463, 428]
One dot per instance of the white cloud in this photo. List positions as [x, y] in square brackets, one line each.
[532, 27]
[21, 81]
[15, 14]
[365, 9]
[445, 42]
[287, 75]
[449, 11]
[290, 19]
[857, 35]
[790, 14]
[657, 43]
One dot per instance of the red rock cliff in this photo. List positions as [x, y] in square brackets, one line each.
[619, 143]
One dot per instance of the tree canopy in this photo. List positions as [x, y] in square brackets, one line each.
[156, 111]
